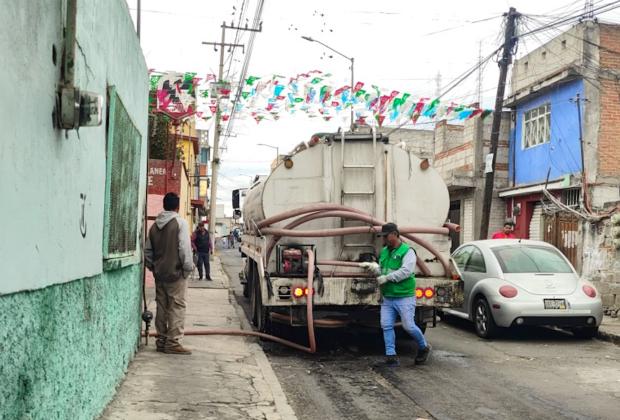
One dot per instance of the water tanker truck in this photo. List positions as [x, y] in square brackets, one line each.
[311, 223]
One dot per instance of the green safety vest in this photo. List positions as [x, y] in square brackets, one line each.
[392, 260]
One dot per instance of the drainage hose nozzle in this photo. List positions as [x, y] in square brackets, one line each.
[147, 316]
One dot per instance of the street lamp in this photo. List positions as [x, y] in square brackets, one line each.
[272, 147]
[351, 59]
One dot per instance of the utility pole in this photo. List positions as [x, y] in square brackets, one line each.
[438, 84]
[215, 162]
[584, 183]
[509, 42]
[138, 17]
[479, 78]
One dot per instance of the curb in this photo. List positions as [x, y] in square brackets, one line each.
[279, 398]
[609, 337]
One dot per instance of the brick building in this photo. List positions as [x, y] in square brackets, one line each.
[564, 172]
[458, 153]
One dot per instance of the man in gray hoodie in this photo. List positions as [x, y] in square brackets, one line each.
[168, 254]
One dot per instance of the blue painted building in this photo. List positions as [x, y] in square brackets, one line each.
[546, 136]
[563, 185]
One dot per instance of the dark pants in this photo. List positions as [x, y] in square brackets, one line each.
[203, 259]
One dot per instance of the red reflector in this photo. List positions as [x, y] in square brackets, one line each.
[589, 290]
[307, 291]
[508, 291]
[429, 293]
[419, 292]
[455, 276]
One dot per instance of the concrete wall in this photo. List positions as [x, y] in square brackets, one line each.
[559, 53]
[460, 152]
[64, 343]
[562, 154]
[601, 261]
[63, 349]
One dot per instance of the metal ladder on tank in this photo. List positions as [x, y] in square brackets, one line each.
[370, 192]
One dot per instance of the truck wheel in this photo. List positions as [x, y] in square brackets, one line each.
[259, 314]
[246, 284]
[483, 319]
[252, 281]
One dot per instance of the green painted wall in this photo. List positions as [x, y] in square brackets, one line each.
[68, 327]
[63, 349]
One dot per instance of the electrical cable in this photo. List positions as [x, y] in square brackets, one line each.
[565, 21]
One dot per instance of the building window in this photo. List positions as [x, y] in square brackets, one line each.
[537, 126]
[571, 196]
[122, 181]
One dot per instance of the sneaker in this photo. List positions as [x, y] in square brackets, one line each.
[423, 354]
[209, 279]
[178, 349]
[199, 278]
[391, 361]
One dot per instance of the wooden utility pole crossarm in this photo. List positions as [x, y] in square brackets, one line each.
[509, 42]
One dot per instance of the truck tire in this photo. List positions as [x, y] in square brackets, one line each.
[252, 291]
[246, 285]
[259, 312]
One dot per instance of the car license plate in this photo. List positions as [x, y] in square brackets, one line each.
[555, 303]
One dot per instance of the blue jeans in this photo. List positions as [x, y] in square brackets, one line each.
[203, 261]
[405, 308]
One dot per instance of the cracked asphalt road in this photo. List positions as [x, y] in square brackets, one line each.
[534, 373]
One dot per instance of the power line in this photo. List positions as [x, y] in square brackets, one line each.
[257, 17]
[567, 20]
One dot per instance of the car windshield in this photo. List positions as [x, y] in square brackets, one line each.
[530, 259]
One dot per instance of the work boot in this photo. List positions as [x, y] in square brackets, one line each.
[423, 354]
[160, 345]
[178, 349]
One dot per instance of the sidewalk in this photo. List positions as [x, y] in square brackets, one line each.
[610, 330]
[225, 377]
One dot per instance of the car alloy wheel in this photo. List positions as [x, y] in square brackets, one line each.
[483, 319]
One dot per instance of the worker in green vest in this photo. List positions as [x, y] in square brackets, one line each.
[396, 279]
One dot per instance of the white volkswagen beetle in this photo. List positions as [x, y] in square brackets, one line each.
[512, 282]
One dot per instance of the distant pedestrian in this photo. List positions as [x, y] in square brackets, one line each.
[507, 232]
[201, 244]
[397, 283]
[168, 254]
[231, 240]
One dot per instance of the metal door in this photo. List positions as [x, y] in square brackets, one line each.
[454, 216]
[561, 231]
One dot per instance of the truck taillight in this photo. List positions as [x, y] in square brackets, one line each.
[300, 292]
[419, 293]
[429, 293]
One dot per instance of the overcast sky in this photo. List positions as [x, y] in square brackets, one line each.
[397, 44]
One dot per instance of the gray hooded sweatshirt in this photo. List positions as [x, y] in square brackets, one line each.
[168, 250]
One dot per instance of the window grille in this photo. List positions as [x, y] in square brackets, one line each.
[122, 181]
[537, 126]
[571, 197]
